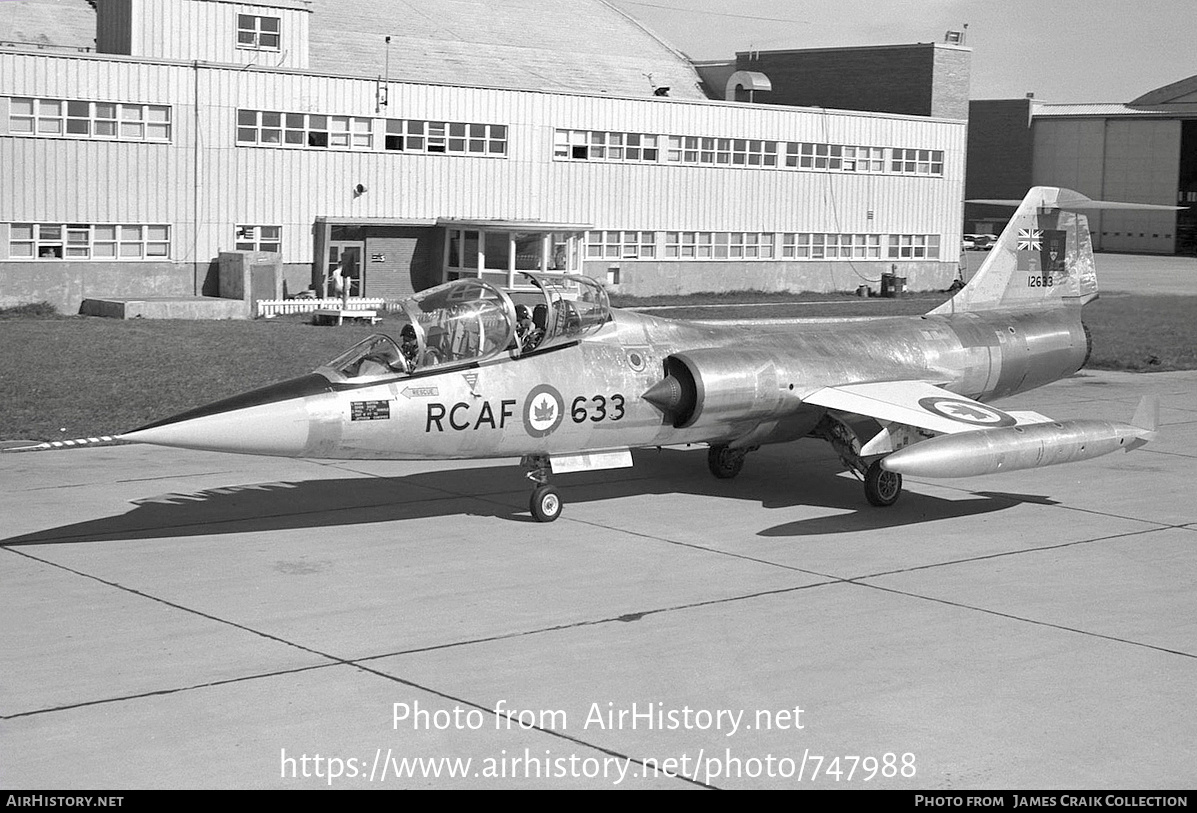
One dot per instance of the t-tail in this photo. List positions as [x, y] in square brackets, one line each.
[1044, 256]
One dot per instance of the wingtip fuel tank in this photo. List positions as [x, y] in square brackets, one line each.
[989, 451]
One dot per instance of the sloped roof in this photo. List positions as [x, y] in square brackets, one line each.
[1114, 110]
[1181, 92]
[584, 46]
[581, 46]
[67, 23]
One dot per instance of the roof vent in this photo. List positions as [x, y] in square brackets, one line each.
[743, 85]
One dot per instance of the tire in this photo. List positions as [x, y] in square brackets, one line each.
[882, 488]
[545, 504]
[725, 463]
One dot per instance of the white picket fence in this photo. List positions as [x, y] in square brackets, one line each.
[280, 307]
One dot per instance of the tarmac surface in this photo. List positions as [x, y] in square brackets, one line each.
[182, 619]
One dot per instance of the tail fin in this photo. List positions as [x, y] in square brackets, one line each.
[1044, 256]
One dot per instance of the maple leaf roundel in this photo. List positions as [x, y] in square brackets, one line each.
[543, 411]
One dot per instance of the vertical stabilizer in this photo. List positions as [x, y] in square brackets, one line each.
[1043, 257]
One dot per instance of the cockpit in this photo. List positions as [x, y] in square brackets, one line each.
[469, 321]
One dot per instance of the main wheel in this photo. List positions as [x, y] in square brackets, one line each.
[545, 504]
[725, 463]
[882, 488]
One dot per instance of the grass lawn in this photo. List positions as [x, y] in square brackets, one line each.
[72, 376]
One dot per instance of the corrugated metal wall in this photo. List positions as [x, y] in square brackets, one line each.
[203, 178]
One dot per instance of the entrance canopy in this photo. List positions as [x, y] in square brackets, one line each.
[498, 251]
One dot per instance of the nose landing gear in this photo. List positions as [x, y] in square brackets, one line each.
[545, 503]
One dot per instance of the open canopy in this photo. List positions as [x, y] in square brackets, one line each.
[469, 321]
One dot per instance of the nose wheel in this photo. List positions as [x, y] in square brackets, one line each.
[546, 503]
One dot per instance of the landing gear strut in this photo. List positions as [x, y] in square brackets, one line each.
[545, 503]
[882, 488]
[724, 462]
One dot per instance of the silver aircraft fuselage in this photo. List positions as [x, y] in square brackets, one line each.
[745, 385]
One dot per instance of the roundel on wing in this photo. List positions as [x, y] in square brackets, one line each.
[543, 411]
[969, 412]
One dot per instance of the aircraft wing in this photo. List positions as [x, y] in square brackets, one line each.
[918, 404]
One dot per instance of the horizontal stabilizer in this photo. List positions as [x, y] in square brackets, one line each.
[1075, 201]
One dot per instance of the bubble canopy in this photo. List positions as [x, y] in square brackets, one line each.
[469, 321]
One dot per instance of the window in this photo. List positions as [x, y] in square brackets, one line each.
[258, 33]
[625, 245]
[750, 245]
[79, 241]
[276, 129]
[721, 245]
[814, 246]
[445, 137]
[596, 145]
[259, 238]
[913, 247]
[917, 162]
[85, 119]
[689, 245]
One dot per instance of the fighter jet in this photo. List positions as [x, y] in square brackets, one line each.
[567, 383]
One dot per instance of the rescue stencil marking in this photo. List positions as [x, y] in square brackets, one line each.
[966, 412]
[369, 410]
[543, 411]
[420, 392]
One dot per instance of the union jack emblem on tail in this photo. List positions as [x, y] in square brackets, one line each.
[1030, 239]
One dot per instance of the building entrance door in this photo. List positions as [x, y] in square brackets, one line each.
[345, 257]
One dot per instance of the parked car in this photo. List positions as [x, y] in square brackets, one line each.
[979, 242]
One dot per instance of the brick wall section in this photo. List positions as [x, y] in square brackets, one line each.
[1000, 152]
[893, 79]
[412, 260]
[950, 83]
[925, 79]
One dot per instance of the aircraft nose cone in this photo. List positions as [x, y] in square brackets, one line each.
[271, 421]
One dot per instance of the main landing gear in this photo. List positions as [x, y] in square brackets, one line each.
[545, 503]
[725, 462]
[882, 488]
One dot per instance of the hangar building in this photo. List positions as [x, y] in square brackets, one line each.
[1143, 151]
[420, 141]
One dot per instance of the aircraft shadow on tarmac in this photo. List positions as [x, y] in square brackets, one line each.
[776, 483]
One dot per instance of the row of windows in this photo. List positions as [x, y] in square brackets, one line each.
[276, 129]
[82, 241]
[77, 241]
[107, 120]
[74, 241]
[149, 122]
[596, 145]
[703, 245]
